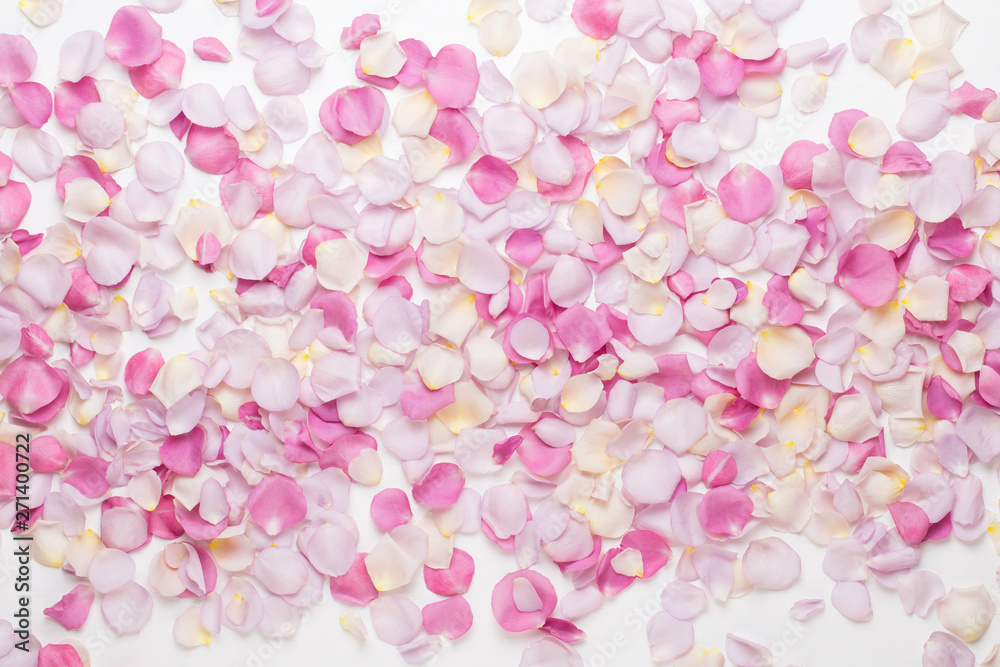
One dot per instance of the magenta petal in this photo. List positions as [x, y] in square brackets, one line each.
[356, 586]
[745, 193]
[33, 388]
[214, 150]
[513, 611]
[17, 59]
[361, 27]
[353, 113]
[452, 76]
[134, 38]
[419, 402]
[454, 579]
[141, 370]
[59, 655]
[797, 163]
[72, 609]
[597, 18]
[211, 49]
[491, 179]
[441, 486]
[868, 273]
[942, 400]
[721, 71]
[758, 387]
[277, 503]
[725, 510]
[33, 100]
[911, 521]
[183, 453]
[161, 75]
[390, 508]
[582, 331]
[15, 199]
[718, 469]
[451, 618]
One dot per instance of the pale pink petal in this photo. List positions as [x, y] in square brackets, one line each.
[745, 653]
[280, 72]
[683, 600]
[922, 120]
[919, 591]
[396, 620]
[481, 269]
[597, 18]
[110, 570]
[331, 550]
[113, 250]
[202, 105]
[252, 255]
[668, 637]
[127, 609]
[100, 124]
[159, 166]
[36, 153]
[852, 599]
[281, 570]
[275, 385]
[803, 609]
[944, 650]
[846, 560]
[769, 563]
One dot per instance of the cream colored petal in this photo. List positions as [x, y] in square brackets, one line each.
[927, 300]
[869, 137]
[966, 612]
[782, 352]
[852, 419]
[891, 229]
[499, 32]
[893, 59]
[381, 55]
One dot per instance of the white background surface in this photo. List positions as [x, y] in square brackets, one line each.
[891, 638]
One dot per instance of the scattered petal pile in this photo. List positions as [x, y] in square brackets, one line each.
[564, 313]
